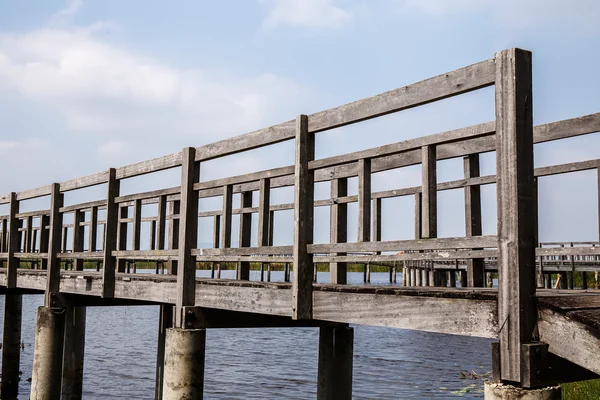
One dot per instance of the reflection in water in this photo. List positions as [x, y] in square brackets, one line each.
[269, 363]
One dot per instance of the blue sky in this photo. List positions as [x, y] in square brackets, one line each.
[88, 85]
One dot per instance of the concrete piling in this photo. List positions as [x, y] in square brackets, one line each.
[499, 391]
[184, 364]
[48, 354]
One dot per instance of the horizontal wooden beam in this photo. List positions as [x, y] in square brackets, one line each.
[569, 338]
[450, 84]
[408, 245]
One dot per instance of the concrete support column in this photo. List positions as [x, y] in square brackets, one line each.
[11, 346]
[48, 354]
[165, 321]
[73, 355]
[499, 391]
[184, 364]
[336, 350]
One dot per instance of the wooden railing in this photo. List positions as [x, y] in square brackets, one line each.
[40, 236]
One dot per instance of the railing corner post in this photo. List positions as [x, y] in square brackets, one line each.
[303, 221]
[515, 190]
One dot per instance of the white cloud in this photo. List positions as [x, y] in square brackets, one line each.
[306, 13]
[98, 87]
[6, 145]
[66, 14]
[580, 15]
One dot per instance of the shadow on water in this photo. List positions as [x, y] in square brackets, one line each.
[270, 363]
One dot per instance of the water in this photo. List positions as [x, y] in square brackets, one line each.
[120, 358]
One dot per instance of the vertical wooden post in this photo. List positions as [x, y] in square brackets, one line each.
[28, 235]
[515, 186]
[364, 200]
[137, 224]
[153, 225]
[44, 236]
[78, 231]
[11, 346]
[540, 265]
[304, 179]
[475, 266]
[216, 231]
[264, 206]
[110, 235]
[429, 193]
[336, 350]
[122, 236]
[74, 349]
[377, 221]
[54, 242]
[165, 321]
[93, 232]
[338, 230]
[3, 235]
[161, 222]
[174, 207]
[243, 272]
[188, 234]
[13, 242]
[226, 216]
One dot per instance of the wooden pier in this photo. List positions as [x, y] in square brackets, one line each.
[546, 335]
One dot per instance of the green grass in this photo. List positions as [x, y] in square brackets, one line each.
[583, 390]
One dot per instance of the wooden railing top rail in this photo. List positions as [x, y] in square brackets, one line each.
[440, 87]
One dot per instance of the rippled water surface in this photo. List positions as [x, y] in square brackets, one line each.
[269, 363]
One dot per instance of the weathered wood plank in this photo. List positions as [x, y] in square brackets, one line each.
[475, 267]
[264, 206]
[263, 137]
[161, 222]
[437, 256]
[338, 228]
[243, 270]
[173, 240]
[85, 181]
[252, 177]
[431, 314]
[54, 244]
[568, 251]
[488, 241]
[110, 237]
[456, 135]
[304, 179]
[364, 200]
[570, 339]
[226, 216]
[14, 244]
[93, 230]
[248, 259]
[453, 83]
[241, 251]
[148, 195]
[188, 234]
[84, 206]
[265, 300]
[146, 167]
[78, 239]
[137, 224]
[429, 193]
[516, 233]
